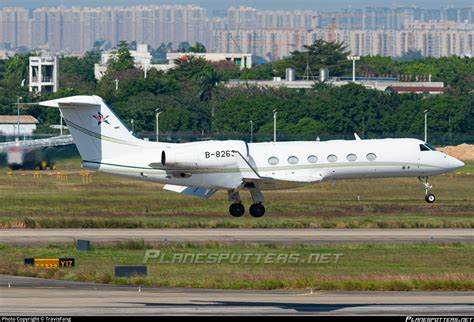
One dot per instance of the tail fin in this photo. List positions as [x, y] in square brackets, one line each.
[98, 133]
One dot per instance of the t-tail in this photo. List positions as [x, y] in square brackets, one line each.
[98, 133]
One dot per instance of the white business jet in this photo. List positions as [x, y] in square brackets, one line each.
[201, 168]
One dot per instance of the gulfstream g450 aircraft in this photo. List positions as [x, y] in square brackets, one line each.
[202, 168]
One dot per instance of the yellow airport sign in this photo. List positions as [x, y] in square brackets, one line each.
[50, 262]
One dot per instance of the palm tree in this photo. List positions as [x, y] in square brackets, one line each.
[209, 79]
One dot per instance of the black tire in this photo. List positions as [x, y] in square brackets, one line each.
[257, 210]
[237, 210]
[430, 198]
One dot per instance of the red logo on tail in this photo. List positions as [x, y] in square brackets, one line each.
[100, 118]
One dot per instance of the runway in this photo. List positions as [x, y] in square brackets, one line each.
[33, 296]
[279, 236]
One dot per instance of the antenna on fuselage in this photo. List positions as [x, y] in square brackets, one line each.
[357, 137]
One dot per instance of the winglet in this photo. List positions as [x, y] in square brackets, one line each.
[357, 137]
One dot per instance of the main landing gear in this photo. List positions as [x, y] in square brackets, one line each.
[236, 208]
[429, 197]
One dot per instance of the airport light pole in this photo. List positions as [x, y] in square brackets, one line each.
[275, 112]
[60, 123]
[251, 131]
[157, 115]
[426, 125]
[18, 115]
[353, 58]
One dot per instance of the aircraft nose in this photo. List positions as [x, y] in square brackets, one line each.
[454, 163]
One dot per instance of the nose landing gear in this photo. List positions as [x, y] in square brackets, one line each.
[429, 197]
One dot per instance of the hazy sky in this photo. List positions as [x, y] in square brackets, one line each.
[323, 5]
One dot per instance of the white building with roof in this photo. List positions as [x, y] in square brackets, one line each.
[141, 58]
[9, 124]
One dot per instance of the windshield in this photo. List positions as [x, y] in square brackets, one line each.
[426, 147]
[432, 148]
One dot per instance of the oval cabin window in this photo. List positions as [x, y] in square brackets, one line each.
[332, 158]
[351, 157]
[273, 161]
[312, 159]
[293, 160]
[371, 157]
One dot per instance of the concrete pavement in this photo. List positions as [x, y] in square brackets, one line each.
[282, 236]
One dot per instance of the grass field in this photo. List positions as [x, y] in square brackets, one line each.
[360, 267]
[111, 201]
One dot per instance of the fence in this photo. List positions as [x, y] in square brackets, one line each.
[439, 139]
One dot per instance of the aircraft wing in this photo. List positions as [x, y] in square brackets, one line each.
[282, 183]
[191, 191]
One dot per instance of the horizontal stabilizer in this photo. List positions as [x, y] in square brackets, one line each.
[191, 191]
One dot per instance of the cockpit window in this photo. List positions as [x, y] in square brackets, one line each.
[427, 147]
[424, 148]
[432, 148]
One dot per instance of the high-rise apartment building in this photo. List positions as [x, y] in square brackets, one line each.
[14, 28]
[76, 29]
[268, 33]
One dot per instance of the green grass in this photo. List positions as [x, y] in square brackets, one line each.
[111, 201]
[429, 266]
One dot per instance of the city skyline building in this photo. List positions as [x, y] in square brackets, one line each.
[272, 34]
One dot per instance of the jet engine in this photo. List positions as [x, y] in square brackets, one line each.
[202, 155]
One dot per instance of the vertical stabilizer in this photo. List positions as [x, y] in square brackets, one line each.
[98, 133]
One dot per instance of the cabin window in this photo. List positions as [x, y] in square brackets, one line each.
[332, 158]
[371, 157]
[293, 160]
[351, 157]
[424, 148]
[273, 161]
[312, 159]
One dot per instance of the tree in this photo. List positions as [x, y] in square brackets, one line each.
[183, 47]
[121, 59]
[188, 68]
[16, 68]
[209, 79]
[99, 45]
[159, 54]
[79, 68]
[411, 55]
[197, 48]
[321, 54]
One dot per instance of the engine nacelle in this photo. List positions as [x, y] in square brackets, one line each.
[203, 155]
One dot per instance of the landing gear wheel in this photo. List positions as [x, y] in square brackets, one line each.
[257, 210]
[430, 198]
[236, 210]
